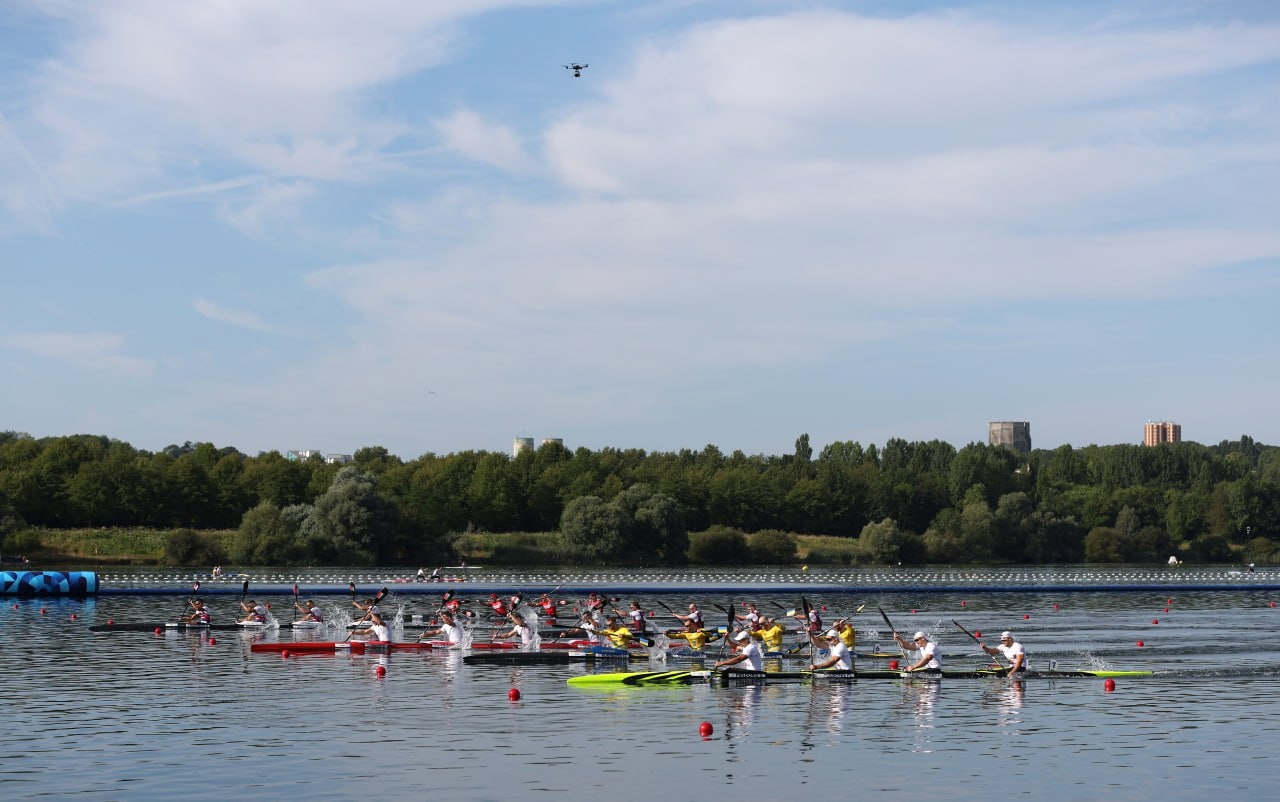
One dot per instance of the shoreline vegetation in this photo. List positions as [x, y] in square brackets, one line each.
[95, 500]
[98, 548]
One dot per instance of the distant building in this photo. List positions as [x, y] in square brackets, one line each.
[338, 459]
[1157, 432]
[521, 444]
[301, 456]
[1014, 435]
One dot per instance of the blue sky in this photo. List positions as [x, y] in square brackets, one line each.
[323, 224]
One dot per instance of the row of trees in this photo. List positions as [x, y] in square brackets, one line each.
[905, 501]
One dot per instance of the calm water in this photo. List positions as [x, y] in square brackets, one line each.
[135, 716]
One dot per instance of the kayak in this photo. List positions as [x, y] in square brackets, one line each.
[759, 677]
[179, 626]
[354, 646]
[559, 657]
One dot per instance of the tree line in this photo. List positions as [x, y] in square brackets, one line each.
[909, 502]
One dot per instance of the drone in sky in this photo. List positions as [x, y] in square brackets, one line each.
[577, 68]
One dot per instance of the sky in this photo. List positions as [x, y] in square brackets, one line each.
[318, 224]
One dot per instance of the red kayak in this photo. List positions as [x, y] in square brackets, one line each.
[354, 646]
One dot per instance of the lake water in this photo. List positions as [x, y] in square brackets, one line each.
[136, 716]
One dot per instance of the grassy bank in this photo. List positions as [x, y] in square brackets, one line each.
[125, 546]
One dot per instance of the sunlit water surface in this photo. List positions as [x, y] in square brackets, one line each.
[136, 716]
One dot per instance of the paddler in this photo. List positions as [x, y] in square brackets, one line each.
[847, 635]
[377, 630]
[839, 658]
[619, 636]
[588, 627]
[693, 621]
[635, 617]
[498, 606]
[770, 633]
[928, 650]
[254, 612]
[199, 614]
[812, 622]
[595, 605]
[748, 652]
[449, 630]
[697, 639]
[310, 612]
[520, 629]
[1012, 651]
[367, 607]
[549, 609]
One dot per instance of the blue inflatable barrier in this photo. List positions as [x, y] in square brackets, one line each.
[48, 583]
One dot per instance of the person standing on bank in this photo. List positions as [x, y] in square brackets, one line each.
[1011, 650]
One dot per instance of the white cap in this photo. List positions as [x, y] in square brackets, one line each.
[742, 636]
[831, 633]
[1006, 634]
[918, 636]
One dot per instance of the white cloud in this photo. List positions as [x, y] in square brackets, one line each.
[465, 132]
[269, 205]
[232, 317]
[94, 351]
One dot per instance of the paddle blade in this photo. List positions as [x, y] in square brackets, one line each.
[195, 587]
[352, 587]
[244, 589]
[295, 589]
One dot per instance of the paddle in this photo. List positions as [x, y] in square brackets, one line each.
[893, 632]
[295, 602]
[1003, 667]
[379, 597]
[728, 635]
[808, 629]
[195, 588]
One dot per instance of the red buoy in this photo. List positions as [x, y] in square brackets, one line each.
[962, 602]
[1166, 609]
[159, 630]
[977, 633]
[285, 653]
[1109, 685]
[893, 665]
[1273, 604]
[43, 611]
[705, 729]
[213, 641]
[1055, 605]
[1155, 621]
[514, 694]
[913, 612]
[1026, 616]
[1141, 644]
[381, 671]
[73, 616]
[110, 622]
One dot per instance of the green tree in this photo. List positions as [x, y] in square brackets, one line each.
[350, 524]
[592, 530]
[884, 541]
